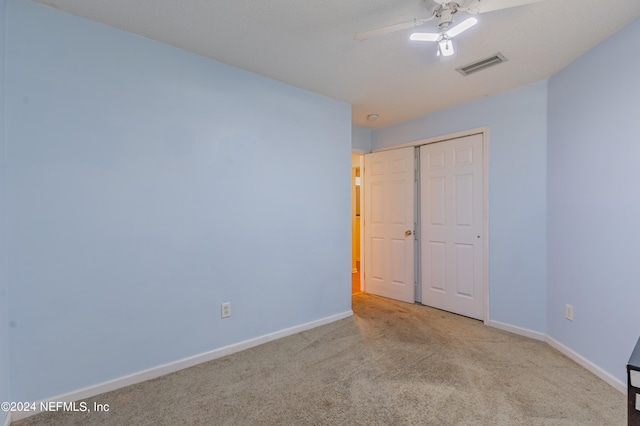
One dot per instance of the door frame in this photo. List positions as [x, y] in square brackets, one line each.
[362, 204]
[484, 131]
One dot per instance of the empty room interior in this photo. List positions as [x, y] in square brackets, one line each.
[178, 180]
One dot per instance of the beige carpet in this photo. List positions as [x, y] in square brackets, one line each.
[390, 364]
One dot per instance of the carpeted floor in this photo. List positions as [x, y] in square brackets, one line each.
[390, 364]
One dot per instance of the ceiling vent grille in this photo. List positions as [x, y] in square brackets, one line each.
[496, 59]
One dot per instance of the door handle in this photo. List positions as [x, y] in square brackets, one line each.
[408, 232]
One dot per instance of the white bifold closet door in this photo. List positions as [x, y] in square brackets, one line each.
[452, 225]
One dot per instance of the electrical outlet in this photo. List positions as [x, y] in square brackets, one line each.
[226, 310]
[568, 312]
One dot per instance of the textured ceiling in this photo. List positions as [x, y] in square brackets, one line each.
[310, 44]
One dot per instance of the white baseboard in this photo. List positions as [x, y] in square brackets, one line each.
[582, 361]
[181, 364]
[611, 380]
[164, 369]
[517, 330]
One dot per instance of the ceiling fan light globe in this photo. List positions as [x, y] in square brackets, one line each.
[446, 48]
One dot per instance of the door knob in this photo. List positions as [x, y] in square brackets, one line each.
[407, 232]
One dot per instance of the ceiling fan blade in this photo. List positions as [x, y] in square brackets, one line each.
[391, 29]
[461, 27]
[425, 37]
[484, 6]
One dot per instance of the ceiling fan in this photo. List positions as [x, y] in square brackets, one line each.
[445, 10]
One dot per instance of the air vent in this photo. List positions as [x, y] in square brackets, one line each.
[496, 59]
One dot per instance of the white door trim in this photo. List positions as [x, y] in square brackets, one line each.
[362, 204]
[441, 138]
[485, 190]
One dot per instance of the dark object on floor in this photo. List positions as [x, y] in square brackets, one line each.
[633, 388]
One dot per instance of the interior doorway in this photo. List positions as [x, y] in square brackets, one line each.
[356, 243]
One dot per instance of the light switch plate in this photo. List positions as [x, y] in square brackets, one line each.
[226, 310]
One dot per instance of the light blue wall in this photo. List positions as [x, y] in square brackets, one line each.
[594, 202]
[517, 193]
[147, 186]
[360, 140]
[4, 302]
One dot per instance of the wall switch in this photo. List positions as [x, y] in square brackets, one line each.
[226, 310]
[568, 312]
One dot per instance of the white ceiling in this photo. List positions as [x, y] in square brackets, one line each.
[310, 44]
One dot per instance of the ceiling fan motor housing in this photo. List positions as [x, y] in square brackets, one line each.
[445, 13]
[446, 18]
